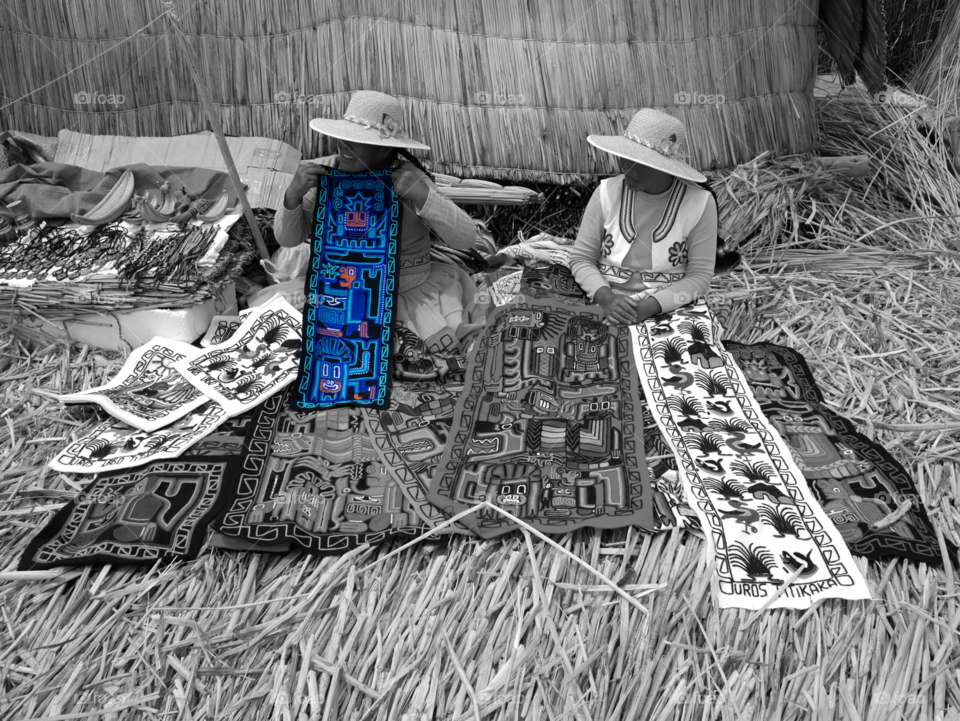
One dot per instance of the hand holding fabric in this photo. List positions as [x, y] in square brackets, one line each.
[304, 180]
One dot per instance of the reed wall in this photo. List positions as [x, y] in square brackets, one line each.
[498, 89]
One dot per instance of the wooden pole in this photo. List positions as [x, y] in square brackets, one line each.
[853, 166]
[169, 7]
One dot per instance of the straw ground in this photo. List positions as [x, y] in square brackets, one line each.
[860, 275]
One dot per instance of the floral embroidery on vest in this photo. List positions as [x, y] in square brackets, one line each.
[678, 253]
[606, 248]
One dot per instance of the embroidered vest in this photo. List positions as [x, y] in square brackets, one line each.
[668, 240]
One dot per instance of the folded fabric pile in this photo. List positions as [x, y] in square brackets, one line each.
[166, 399]
[60, 193]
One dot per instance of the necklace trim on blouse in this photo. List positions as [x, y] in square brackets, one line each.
[677, 192]
[626, 215]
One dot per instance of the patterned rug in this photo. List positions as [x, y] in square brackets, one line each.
[256, 361]
[147, 392]
[348, 315]
[858, 483]
[113, 445]
[157, 512]
[410, 437]
[547, 428]
[770, 539]
[312, 479]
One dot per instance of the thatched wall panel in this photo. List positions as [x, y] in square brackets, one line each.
[494, 87]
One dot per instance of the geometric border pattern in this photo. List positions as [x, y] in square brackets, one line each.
[46, 550]
[874, 544]
[639, 510]
[255, 457]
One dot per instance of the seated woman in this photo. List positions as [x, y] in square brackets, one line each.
[435, 301]
[648, 239]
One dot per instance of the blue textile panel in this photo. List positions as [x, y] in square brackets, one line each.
[350, 292]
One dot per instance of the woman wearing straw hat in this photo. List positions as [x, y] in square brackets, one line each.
[648, 239]
[434, 300]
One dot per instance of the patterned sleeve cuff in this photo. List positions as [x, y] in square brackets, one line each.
[449, 222]
[434, 208]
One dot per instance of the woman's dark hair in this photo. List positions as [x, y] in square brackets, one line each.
[727, 259]
[404, 153]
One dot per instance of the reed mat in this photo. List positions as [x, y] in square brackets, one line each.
[500, 90]
[859, 275]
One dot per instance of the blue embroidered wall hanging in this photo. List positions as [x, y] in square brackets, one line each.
[348, 316]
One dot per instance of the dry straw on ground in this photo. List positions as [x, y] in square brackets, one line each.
[860, 275]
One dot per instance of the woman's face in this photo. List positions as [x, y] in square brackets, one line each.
[361, 158]
[643, 178]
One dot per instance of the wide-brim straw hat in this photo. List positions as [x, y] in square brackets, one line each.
[654, 139]
[372, 118]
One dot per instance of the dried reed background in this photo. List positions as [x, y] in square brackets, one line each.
[938, 76]
[571, 67]
[861, 275]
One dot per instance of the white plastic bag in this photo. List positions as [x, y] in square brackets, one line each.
[291, 290]
[288, 263]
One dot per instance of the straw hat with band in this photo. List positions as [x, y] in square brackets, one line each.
[372, 118]
[654, 139]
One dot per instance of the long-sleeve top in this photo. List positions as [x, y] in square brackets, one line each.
[450, 223]
[648, 210]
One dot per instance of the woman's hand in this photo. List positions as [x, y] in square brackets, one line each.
[626, 311]
[306, 178]
[411, 185]
[618, 309]
[497, 260]
[647, 308]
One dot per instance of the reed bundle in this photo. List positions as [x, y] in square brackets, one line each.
[855, 35]
[503, 90]
[912, 29]
[938, 75]
[912, 192]
[483, 192]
